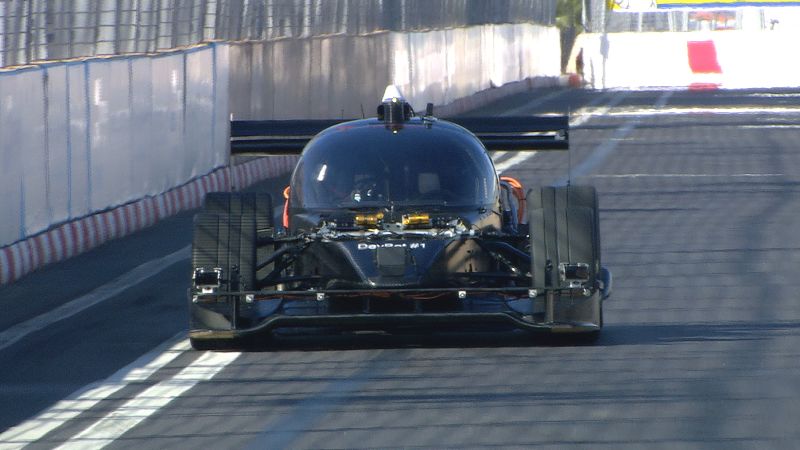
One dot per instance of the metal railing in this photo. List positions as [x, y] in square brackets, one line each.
[38, 30]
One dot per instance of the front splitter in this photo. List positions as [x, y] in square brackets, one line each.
[378, 321]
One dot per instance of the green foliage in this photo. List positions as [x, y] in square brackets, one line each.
[568, 14]
[569, 21]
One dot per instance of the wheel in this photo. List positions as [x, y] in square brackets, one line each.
[224, 248]
[564, 228]
[224, 203]
[228, 243]
[561, 198]
[245, 217]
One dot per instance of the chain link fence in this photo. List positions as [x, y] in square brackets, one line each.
[39, 30]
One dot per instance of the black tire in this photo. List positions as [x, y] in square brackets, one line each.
[227, 203]
[225, 236]
[227, 242]
[247, 217]
[586, 197]
[564, 228]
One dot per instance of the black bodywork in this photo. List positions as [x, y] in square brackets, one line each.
[398, 221]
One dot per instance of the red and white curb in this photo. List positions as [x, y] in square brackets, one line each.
[81, 235]
[704, 64]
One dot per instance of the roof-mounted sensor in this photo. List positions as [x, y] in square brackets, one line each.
[394, 109]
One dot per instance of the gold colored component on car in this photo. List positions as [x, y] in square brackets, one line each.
[420, 220]
[368, 220]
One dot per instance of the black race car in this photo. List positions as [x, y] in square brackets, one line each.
[394, 222]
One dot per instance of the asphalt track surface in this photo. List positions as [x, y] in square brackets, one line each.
[700, 205]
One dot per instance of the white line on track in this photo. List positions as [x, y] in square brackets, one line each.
[534, 103]
[677, 110]
[581, 116]
[118, 422]
[500, 155]
[688, 175]
[524, 109]
[602, 151]
[513, 161]
[86, 398]
[663, 99]
[101, 294]
[775, 95]
[781, 126]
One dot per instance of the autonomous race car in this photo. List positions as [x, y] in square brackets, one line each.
[394, 222]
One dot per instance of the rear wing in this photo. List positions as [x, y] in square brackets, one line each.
[274, 137]
[519, 133]
[289, 137]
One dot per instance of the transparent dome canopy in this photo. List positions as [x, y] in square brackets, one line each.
[369, 164]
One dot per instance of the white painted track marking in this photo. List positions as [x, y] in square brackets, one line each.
[601, 152]
[581, 116]
[536, 102]
[118, 422]
[663, 99]
[774, 95]
[687, 175]
[688, 111]
[101, 294]
[513, 161]
[86, 398]
[778, 126]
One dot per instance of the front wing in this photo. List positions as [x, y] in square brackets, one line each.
[241, 314]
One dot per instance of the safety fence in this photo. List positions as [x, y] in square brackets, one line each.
[83, 136]
[38, 30]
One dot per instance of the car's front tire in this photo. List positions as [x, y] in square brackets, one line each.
[564, 229]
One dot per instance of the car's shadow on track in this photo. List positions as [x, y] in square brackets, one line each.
[665, 334]
[612, 336]
[371, 341]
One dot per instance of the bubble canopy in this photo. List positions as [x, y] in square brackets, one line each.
[369, 164]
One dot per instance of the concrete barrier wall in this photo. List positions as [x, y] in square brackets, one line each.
[97, 149]
[445, 66]
[74, 237]
[81, 137]
[726, 59]
[337, 76]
